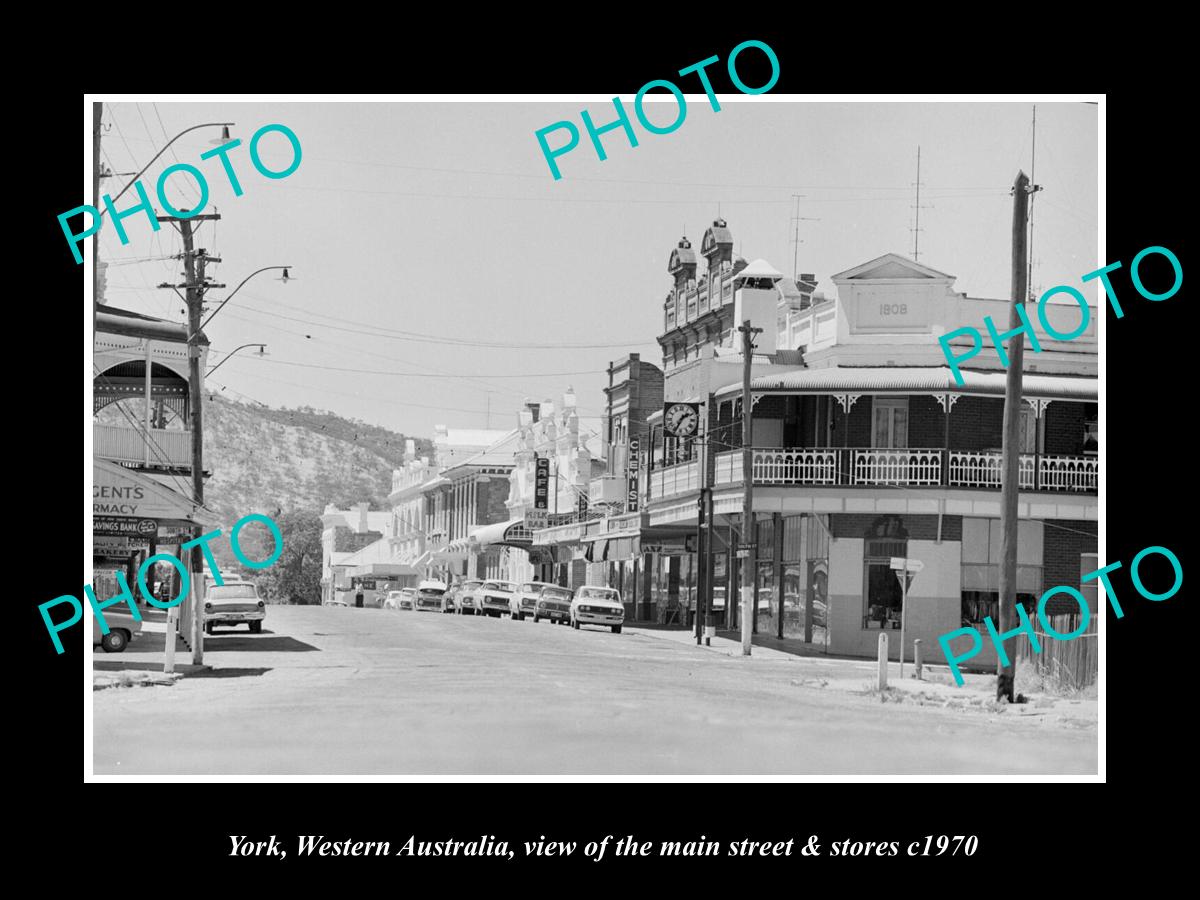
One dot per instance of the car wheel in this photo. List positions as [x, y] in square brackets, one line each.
[114, 642]
[256, 627]
[208, 627]
[616, 629]
[575, 624]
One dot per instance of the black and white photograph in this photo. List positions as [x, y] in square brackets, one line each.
[693, 433]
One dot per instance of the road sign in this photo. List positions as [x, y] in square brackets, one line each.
[912, 565]
[743, 554]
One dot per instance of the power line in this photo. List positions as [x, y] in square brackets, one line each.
[420, 337]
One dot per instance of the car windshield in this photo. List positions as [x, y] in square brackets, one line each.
[432, 592]
[232, 592]
[555, 594]
[598, 593]
[500, 586]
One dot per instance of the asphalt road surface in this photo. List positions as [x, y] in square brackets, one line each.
[343, 691]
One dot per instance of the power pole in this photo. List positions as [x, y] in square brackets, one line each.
[796, 242]
[750, 562]
[195, 286]
[97, 116]
[1012, 430]
[702, 605]
[916, 229]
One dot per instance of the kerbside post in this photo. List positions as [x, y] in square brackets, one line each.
[750, 562]
[1010, 448]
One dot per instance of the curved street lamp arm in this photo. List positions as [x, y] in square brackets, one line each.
[235, 290]
[229, 356]
[158, 154]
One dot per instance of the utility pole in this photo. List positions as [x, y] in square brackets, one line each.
[916, 229]
[194, 284]
[97, 116]
[796, 220]
[1012, 430]
[749, 563]
[702, 605]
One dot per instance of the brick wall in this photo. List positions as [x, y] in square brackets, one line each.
[920, 528]
[977, 423]
[853, 430]
[926, 422]
[1060, 555]
[1063, 425]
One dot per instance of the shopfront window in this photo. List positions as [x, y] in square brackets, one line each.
[981, 569]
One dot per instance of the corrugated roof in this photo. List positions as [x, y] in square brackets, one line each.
[928, 379]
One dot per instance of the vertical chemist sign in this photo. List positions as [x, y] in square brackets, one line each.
[541, 483]
[631, 476]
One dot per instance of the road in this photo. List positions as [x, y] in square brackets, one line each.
[343, 691]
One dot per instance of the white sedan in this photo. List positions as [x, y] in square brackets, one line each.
[597, 606]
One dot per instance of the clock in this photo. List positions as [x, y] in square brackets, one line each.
[681, 419]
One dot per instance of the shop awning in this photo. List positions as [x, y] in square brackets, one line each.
[118, 491]
[915, 379]
[383, 570]
[511, 532]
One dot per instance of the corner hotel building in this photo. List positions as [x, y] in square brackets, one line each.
[865, 448]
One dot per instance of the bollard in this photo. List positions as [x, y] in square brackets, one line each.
[883, 660]
[710, 629]
[169, 644]
[917, 657]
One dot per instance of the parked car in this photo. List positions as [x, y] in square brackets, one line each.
[553, 603]
[464, 597]
[525, 597]
[122, 628]
[597, 606]
[392, 600]
[233, 603]
[431, 597]
[496, 598]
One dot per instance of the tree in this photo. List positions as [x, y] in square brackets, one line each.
[296, 575]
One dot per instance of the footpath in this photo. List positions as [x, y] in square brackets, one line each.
[811, 668]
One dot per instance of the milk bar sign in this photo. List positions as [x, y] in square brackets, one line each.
[124, 526]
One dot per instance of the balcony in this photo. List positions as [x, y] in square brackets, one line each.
[673, 480]
[849, 466]
[158, 448]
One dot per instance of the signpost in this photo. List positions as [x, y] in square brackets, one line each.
[906, 569]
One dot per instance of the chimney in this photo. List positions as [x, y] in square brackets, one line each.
[362, 516]
[535, 409]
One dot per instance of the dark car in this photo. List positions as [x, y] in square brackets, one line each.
[554, 603]
[524, 599]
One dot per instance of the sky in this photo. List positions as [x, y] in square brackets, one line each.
[442, 276]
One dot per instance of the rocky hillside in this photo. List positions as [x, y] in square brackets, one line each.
[267, 460]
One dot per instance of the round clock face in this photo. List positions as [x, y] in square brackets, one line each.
[682, 420]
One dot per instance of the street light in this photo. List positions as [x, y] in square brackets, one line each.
[130, 183]
[262, 351]
[285, 279]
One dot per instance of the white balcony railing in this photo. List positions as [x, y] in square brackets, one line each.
[674, 480]
[897, 467]
[1068, 473]
[848, 466]
[983, 469]
[159, 447]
